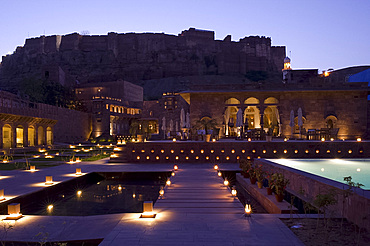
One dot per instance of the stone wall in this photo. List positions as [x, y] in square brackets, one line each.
[349, 106]
[358, 210]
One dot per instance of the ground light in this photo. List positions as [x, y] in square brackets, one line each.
[173, 174]
[161, 192]
[219, 174]
[358, 139]
[148, 210]
[48, 180]
[233, 192]
[78, 171]
[14, 211]
[226, 182]
[50, 208]
[168, 182]
[2, 195]
[32, 168]
[215, 167]
[175, 167]
[247, 210]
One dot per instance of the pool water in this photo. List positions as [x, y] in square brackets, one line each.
[335, 169]
[98, 193]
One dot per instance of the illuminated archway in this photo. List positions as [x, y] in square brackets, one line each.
[19, 136]
[49, 136]
[40, 136]
[251, 101]
[31, 136]
[252, 114]
[230, 116]
[271, 100]
[7, 136]
[331, 121]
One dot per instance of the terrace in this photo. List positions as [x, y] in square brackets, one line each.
[196, 207]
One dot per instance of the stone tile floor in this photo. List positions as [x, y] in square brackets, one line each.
[195, 210]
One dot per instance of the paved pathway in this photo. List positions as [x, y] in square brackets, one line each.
[198, 210]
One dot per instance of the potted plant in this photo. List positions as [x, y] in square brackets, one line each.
[208, 125]
[260, 175]
[139, 129]
[279, 183]
[269, 182]
[245, 165]
[252, 174]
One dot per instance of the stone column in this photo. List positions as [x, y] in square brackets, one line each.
[14, 136]
[25, 135]
[1, 136]
[36, 134]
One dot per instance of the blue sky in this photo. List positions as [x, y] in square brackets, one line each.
[320, 34]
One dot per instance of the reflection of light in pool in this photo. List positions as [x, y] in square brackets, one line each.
[322, 169]
[358, 169]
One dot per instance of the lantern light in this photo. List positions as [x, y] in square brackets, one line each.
[48, 180]
[148, 210]
[50, 207]
[358, 139]
[168, 182]
[78, 171]
[248, 210]
[2, 195]
[215, 167]
[14, 211]
[161, 192]
[173, 174]
[219, 174]
[226, 182]
[32, 168]
[233, 192]
[175, 167]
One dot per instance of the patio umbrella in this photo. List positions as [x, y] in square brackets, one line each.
[187, 124]
[171, 125]
[291, 123]
[182, 118]
[300, 121]
[239, 118]
[176, 126]
[226, 117]
[278, 120]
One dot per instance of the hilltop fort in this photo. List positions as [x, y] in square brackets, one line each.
[138, 57]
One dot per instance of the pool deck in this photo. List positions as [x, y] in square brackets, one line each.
[196, 209]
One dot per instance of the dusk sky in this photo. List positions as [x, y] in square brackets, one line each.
[320, 34]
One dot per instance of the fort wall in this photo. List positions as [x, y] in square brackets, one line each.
[136, 57]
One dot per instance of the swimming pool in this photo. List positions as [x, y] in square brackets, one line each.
[335, 169]
[94, 194]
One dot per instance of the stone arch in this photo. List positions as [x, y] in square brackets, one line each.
[252, 114]
[40, 136]
[19, 131]
[31, 136]
[271, 100]
[331, 121]
[49, 136]
[251, 100]
[7, 136]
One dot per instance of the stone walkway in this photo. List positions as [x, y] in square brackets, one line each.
[197, 209]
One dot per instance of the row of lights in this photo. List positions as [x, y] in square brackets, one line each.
[285, 151]
[248, 208]
[238, 157]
